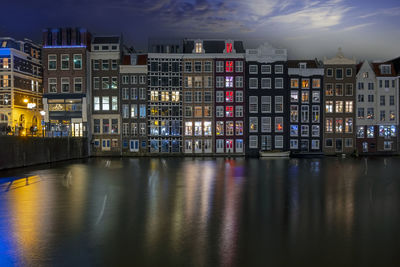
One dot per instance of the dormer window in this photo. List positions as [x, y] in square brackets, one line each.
[303, 65]
[228, 47]
[365, 75]
[385, 69]
[199, 47]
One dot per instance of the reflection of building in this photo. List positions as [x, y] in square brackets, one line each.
[339, 101]
[305, 96]
[66, 81]
[266, 96]
[133, 83]
[377, 100]
[20, 85]
[165, 96]
[105, 57]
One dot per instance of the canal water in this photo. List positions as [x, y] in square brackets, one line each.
[202, 212]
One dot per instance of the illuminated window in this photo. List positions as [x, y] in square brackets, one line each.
[229, 82]
[188, 128]
[229, 128]
[294, 130]
[229, 111]
[199, 47]
[329, 125]
[239, 128]
[77, 61]
[175, 96]
[316, 83]
[348, 125]
[349, 106]
[339, 125]
[339, 107]
[198, 82]
[229, 96]
[305, 83]
[134, 111]
[105, 103]
[339, 89]
[188, 82]
[229, 66]
[164, 96]
[253, 124]
[219, 128]
[305, 96]
[315, 114]
[278, 124]
[294, 113]
[207, 111]
[198, 111]
[228, 47]
[207, 128]
[197, 128]
[294, 83]
[96, 103]
[329, 106]
[329, 90]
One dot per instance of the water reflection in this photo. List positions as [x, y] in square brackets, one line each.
[203, 212]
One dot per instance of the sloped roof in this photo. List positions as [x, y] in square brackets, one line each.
[377, 69]
[106, 40]
[311, 64]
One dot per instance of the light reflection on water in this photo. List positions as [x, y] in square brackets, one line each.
[202, 212]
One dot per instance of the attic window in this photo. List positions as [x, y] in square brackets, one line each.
[228, 47]
[365, 75]
[303, 65]
[385, 69]
[199, 47]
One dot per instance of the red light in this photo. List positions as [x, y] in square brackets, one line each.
[228, 47]
[280, 127]
[229, 66]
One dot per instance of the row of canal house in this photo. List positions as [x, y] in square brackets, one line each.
[213, 97]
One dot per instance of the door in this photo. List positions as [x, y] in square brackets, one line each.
[229, 146]
[338, 145]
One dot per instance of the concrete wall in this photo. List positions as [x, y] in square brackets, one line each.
[16, 151]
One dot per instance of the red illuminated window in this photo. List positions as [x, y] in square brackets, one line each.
[279, 127]
[229, 143]
[228, 47]
[229, 66]
[229, 96]
[229, 111]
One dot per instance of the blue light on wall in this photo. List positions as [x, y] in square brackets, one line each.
[5, 51]
[65, 46]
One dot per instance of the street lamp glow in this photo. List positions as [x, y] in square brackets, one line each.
[42, 112]
[26, 100]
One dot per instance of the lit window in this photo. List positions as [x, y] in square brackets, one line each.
[229, 111]
[229, 96]
[228, 47]
[229, 82]
[199, 47]
[229, 66]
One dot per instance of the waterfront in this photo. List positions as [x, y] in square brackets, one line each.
[202, 212]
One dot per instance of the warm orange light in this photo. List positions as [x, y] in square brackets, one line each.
[26, 100]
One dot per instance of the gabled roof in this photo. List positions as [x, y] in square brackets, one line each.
[106, 40]
[396, 64]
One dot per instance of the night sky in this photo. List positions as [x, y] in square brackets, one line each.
[363, 28]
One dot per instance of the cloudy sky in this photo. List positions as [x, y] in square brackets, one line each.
[307, 28]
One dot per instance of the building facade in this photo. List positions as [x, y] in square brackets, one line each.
[165, 97]
[134, 98]
[105, 58]
[306, 106]
[66, 70]
[266, 99]
[339, 101]
[21, 87]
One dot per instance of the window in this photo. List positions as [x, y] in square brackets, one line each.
[294, 83]
[315, 114]
[114, 103]
[360, 86]
[188, 66]
[229, 111]
[198, 82]
[278, 69]
[305, 96]
[294, 144]
[266, 124]
[315, 131]
[229, 66]
[316, 83]
[219, 111]
[329, 90]
[239, 128]
[208, 82]
[52, 62]
[78, 84]
[198, 47]
[125, 111]
[279, 104]
[294, 96]
[220, 82]
[339, 89]
[360, 132]
[370, 86]
[105, 83]
[329, 72]
[253, 124]
[114, 126]
[219, 97]
[314, 144]
[114, 82]
[197, 97]
[239, 111]
[229, 128]
[391, 100]
[329, 106]
[228, 48]
[294, 113]
[360, 98]
[78, 61]
[134, 129]
[207, 128]
[370, 98]
[219, 128]
[339, 125]
[392, 115]
[133, 79]
[253, 141]
[253, 69]
[239, 96]
[339, 107]
[315, 97]
[188, 111]
[64, 85]
[188, 82]
[265, 83]
[387, 131]
[125, 79]
[52, 85]
[278, 124]
[370, 113]
[188, 128]
[114, 64]
[96, 102]
[65, 62]
[253, 104]
[142, 93]
[239, 81]
[198, 111]
[253, 83]
[349, 89]
[305, 84]
[349, 106]
[278, 83]
[305, 114]
[106, 126]
[294, 130]
[229, 82]
[207, 66]
[219, 65]
[339, 74]
[207, 97]
[239, 66]
[96, 126]
[266, 69]
[187, 96]
[304, 131]
[265, 104]
[105, 103]
[229, 96]
[349, 72]
[278, 141]
[348, 125]
[382, 100]
[329, 125]
[360, 113]
[134, 94]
